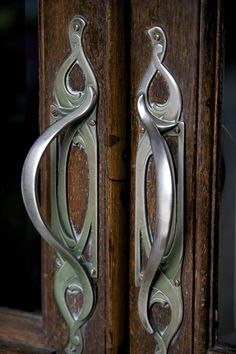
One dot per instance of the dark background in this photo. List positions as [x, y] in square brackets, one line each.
[20, 247]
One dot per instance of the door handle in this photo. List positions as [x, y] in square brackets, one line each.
[160, 281]
[74, 114]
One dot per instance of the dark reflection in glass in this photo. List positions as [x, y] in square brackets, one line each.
[227, 230]
[20, 247]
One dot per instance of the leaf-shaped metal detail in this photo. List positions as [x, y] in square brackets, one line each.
[160, 281]
[74, 113]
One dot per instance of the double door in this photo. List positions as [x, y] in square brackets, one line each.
[118, 48]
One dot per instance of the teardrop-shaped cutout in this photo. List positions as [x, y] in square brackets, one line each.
[160, 316]
[74, 299]
[76, 79]
[158, 91]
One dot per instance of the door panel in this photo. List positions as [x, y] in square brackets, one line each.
[117, 45]
[105, 47]
[182, 32]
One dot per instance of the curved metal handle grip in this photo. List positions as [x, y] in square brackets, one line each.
[161, 248]
[72, 109]
[165, 209]
[30, 171]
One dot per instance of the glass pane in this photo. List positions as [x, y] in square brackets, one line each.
[227, 229]
[20, 247]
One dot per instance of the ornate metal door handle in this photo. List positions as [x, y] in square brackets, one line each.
[74, 113]
[160, 281]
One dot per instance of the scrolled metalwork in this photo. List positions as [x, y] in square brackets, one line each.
[73, 113]
[160, 281]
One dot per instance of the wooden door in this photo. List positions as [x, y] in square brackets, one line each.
[117, 46]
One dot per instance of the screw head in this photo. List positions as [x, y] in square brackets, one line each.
[58, 262]
[92, 122]
[77, 339]
[141, 276]
[177, 130]
[156, 36]
[93, 272]
[76, 27]
[54, 113]
[177, 283]
[142, 130]
[73, 349]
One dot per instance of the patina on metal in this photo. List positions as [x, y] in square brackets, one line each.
[73, 113]
[164, 250]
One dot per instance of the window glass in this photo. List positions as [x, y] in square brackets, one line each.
[20, 247]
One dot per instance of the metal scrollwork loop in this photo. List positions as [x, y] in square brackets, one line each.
[158, 281]
[71, 113]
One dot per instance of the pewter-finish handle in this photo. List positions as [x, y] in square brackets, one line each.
[159, 281]
[165, 208]
[30, 171]
[74, 113]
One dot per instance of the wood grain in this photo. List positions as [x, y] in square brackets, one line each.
[220, 350]
[22, 332]
[78, 186]
[207, 139]
[118, 174]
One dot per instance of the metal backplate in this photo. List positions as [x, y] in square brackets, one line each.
[73, 114]
[160, 279]
[77, 135]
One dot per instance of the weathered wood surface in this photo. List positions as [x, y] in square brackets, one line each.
[104, 43]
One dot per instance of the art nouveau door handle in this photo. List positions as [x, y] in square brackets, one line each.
[74, 113]
[160, 282]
